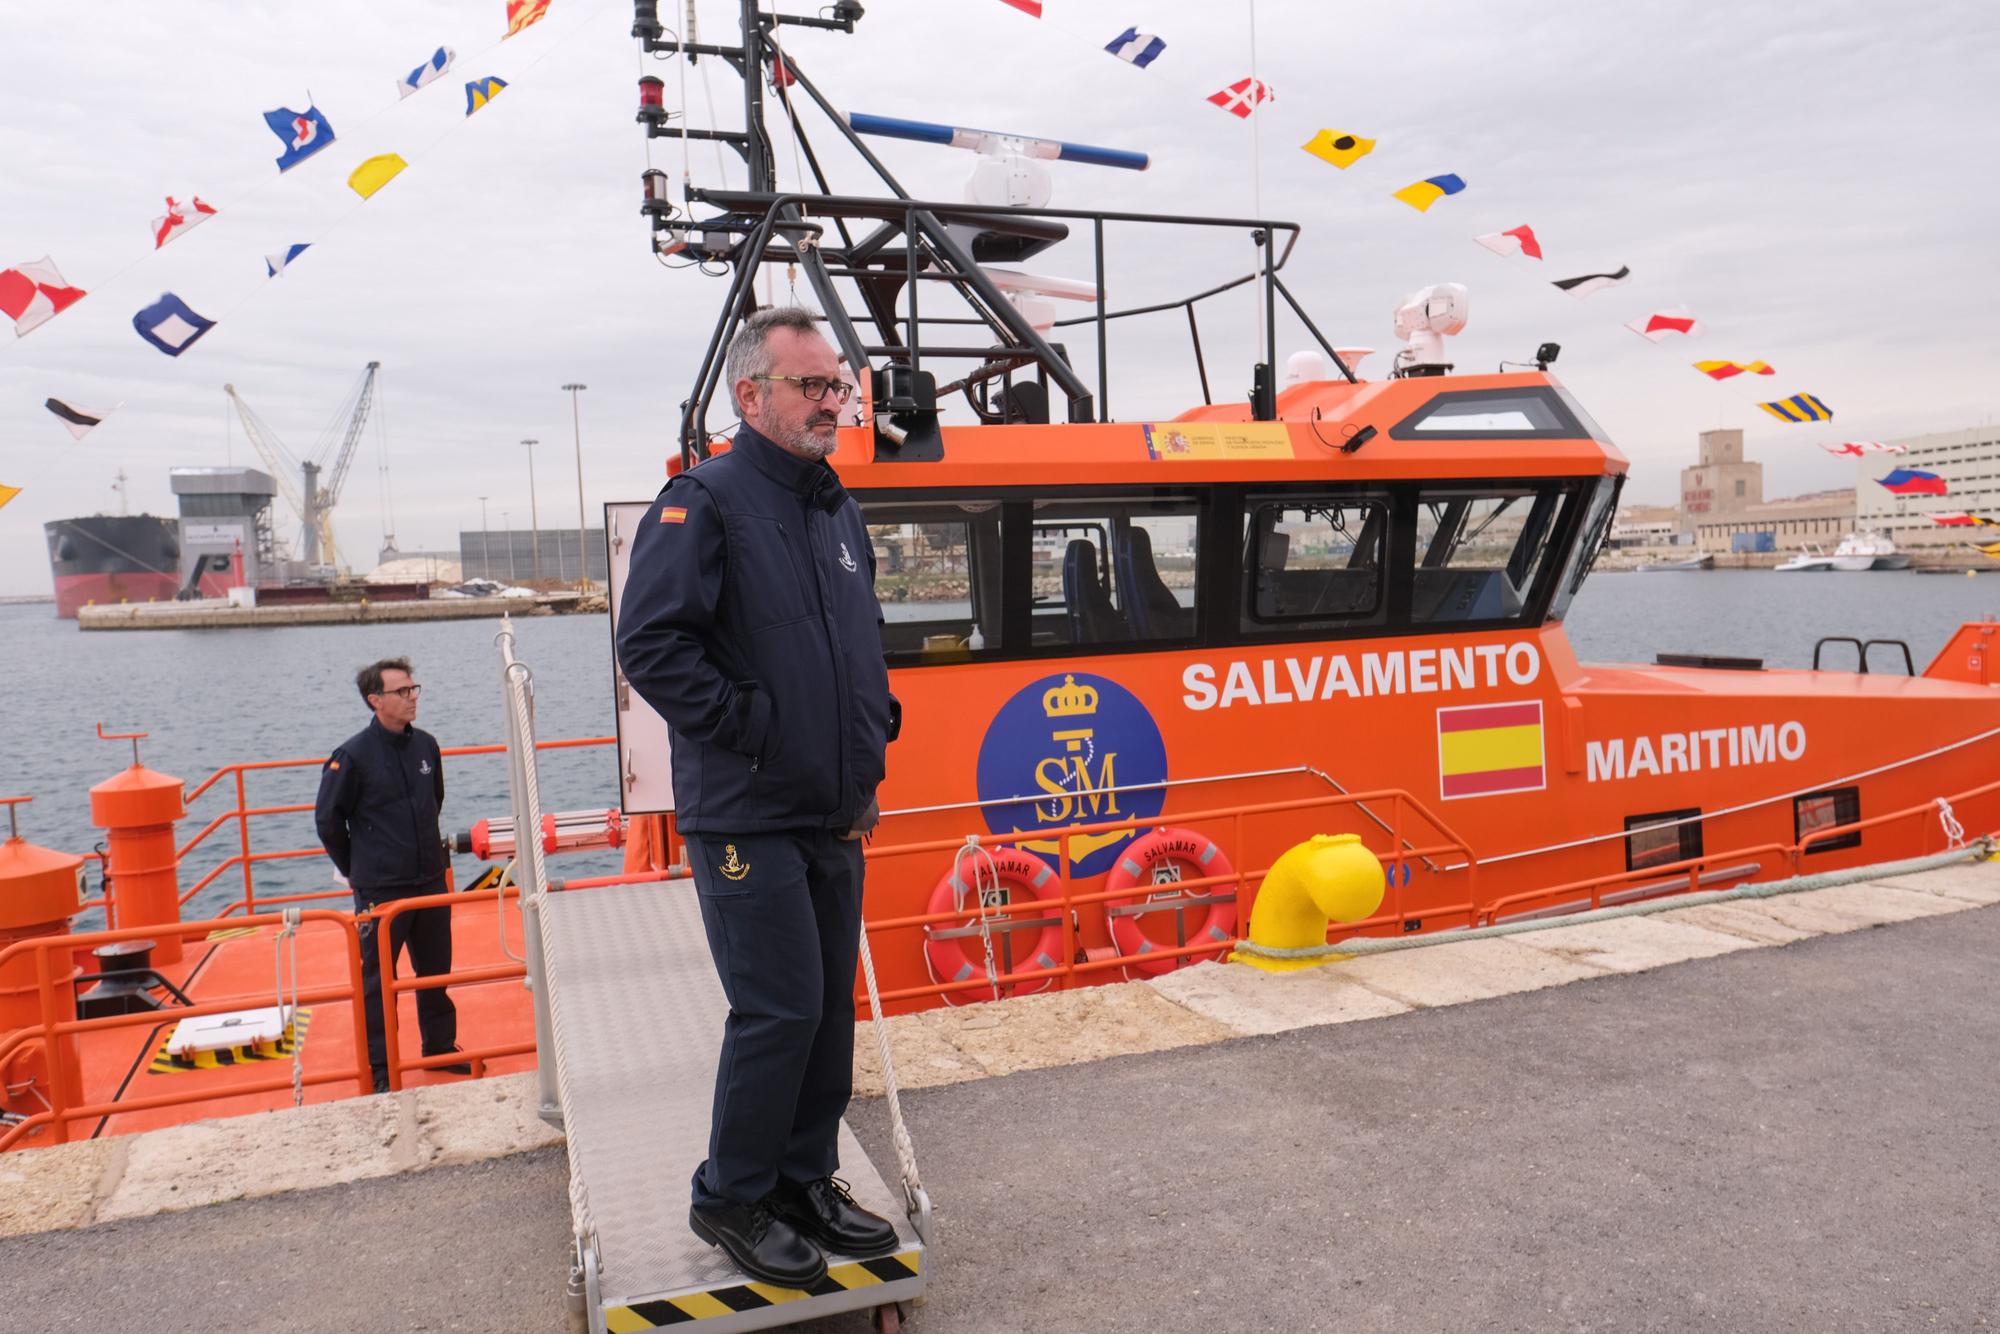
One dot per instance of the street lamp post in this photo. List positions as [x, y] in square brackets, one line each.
[534, 511]
[582, 524]
[485, 560]
[507, 527]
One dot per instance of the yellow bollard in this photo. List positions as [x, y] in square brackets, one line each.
[1328, 878]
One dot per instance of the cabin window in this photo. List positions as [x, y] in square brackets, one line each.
[1314, 561]
[937, 574]
[1114, 571]
[1480, 550]
[1826, 810]
[1488, 414]
[1658, 839]
[1583, 553]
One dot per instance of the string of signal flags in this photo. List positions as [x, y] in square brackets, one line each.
[34, 292]
[1342, 149]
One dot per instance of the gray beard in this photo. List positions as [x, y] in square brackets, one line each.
[805, 444]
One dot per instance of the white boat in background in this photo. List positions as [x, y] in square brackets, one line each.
[1811, 558]
[1869, 551]
[1704, 561]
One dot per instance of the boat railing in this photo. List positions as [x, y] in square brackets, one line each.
[917, 242]
[58, 1028]
[1408, 821]
[245, 857]
[1939, 828]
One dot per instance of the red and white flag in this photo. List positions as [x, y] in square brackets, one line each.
[1032, 8]
[1663, 323]
[1862, 448]
[179, 218]
[1514, 241]
[1955, 520]
[34, 293]
[1241, 98]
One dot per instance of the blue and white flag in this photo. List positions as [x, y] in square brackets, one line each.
[429, 72]
[1135, 47]
[275, 264]
[303, 132]
[170, 325]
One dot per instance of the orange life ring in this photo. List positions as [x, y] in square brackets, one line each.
[1200, 858]
[960, 958]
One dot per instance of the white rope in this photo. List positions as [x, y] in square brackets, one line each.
[1768, 889]
[915, 1201]
[288, 1016]
[1954, 832]
[987, 889]
[500, 904]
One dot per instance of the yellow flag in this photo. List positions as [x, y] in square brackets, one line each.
[1342, 150]
[7, 493]
[375, 173]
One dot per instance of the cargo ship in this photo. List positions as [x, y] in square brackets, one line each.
[106, 559]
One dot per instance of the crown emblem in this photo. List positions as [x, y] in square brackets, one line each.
[1068, 699]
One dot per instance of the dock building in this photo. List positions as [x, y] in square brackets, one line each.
[514, 556]
[1723, 505]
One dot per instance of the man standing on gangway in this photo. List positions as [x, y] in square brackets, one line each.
[750, 625]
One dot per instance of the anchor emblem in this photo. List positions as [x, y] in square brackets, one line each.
[730, 867]
[846, 560]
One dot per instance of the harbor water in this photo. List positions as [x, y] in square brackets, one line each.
[214, 697]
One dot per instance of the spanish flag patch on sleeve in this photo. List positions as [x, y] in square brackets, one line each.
[674, 514]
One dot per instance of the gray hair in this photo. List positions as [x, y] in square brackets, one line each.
[750, 351]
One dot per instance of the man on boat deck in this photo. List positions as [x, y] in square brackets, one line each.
[379, 795]
[750, 624]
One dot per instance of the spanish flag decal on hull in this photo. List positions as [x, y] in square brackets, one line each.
[1487, 749]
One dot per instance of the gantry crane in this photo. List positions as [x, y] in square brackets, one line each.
[332, 453]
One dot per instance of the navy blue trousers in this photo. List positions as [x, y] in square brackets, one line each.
[426, 934]
[783, 916]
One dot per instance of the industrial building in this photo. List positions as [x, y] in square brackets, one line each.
[520, 555]
[1723, 505]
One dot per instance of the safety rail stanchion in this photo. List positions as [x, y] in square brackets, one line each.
[517, 683]
[243, 839]
[393, 987]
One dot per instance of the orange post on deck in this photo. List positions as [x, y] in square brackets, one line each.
[39, 890]
[136, 810]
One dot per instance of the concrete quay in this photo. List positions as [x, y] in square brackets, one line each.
[1766, 1114]
[220, 615]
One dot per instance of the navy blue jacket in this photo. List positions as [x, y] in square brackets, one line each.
[749, 622]
[379, 796]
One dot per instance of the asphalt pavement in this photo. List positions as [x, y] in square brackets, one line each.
[1796, 1138]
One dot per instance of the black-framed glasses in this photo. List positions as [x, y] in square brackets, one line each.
[814, 387]
[403, 692]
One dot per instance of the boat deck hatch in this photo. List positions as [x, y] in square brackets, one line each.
[1718, 661]
[635, 1012]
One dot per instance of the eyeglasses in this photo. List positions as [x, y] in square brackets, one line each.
[403, 692]
[814, 387]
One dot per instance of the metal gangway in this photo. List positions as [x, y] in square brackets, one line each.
[628, 1027]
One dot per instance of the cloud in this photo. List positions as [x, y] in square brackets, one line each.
[1780, 169]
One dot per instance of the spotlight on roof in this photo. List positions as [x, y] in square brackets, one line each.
[1425, 319]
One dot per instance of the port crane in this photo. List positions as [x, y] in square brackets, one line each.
[299, 478]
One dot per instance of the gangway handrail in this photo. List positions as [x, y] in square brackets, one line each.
[517, 687]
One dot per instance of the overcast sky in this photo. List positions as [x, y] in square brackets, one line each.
[1813, 180]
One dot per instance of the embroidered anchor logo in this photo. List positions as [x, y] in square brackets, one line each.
[730, 866]
[846, 560]
[424, 768]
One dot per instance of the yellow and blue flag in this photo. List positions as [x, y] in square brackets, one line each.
[1428, 191]
[1799, 408]
[481, 91]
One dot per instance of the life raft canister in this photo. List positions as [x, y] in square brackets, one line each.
[1182, 852]
[1019, 876]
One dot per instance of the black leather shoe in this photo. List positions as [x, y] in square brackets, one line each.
[824, 1212]
[763, 1245]
[456, 1068]
[382, 1083]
